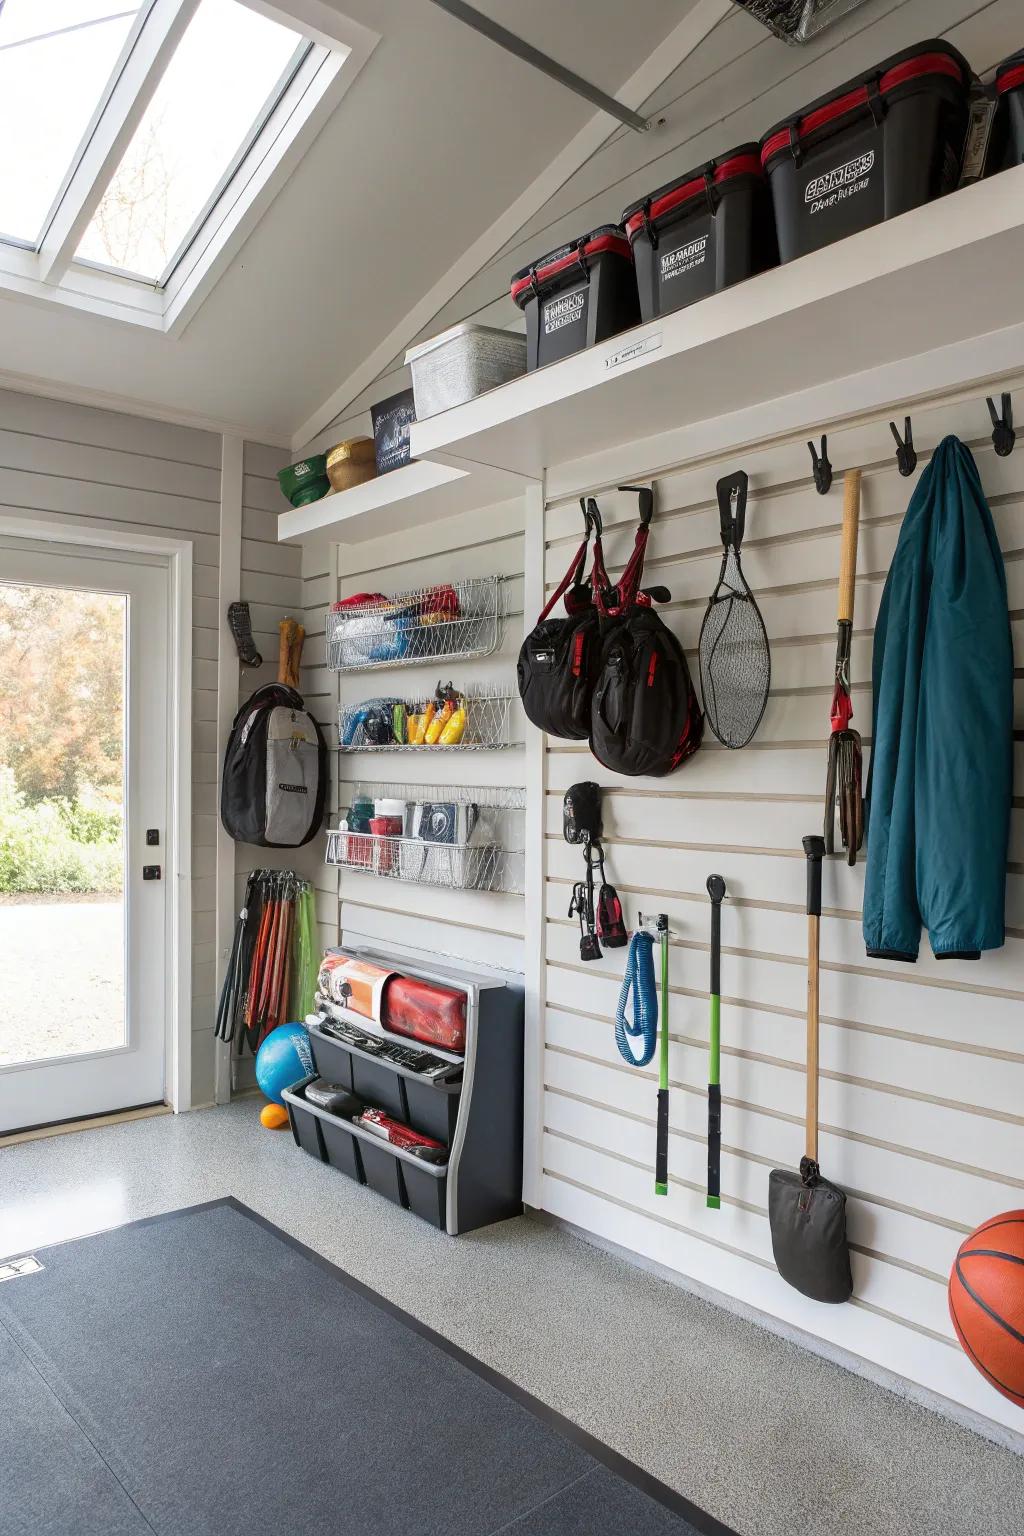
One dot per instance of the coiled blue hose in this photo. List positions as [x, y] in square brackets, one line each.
[639, 979]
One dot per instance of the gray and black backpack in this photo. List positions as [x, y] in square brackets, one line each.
[274, 785]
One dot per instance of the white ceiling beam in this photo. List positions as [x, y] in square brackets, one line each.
[150, 48]
[701, 19]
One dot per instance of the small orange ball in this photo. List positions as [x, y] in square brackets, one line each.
[274, 1117]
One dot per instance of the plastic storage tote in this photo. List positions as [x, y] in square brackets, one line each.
[580, 294]
[462, 363]
[882, 144]
[1006, 146]
[702, 232]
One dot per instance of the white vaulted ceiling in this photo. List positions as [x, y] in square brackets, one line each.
[439, 135]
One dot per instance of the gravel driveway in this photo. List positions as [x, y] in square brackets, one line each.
[61, 979]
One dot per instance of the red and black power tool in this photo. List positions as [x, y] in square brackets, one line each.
[600, 922]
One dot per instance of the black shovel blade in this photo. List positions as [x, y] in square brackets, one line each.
[808, 1225]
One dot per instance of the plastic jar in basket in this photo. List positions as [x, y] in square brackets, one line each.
[387, 824]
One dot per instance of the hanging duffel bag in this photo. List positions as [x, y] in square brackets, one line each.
[274, 785]
[558, 659]
[645, 717]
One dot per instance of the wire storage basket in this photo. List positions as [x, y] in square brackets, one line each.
[480, 719]
[455, 837]
[457, 620]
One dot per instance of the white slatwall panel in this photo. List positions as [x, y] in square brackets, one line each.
[75, 466]
[476, 926]
[922, 1090]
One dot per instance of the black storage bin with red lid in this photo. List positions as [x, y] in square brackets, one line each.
[882, 144]
[702, 232]
[1006, 146]
[580, 294]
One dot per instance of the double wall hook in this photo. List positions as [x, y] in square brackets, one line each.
[822, 468]
[906, 455]
[591, 515]
[1003, 435]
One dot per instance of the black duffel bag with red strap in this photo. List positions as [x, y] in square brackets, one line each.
[558, 659]
[645, 718]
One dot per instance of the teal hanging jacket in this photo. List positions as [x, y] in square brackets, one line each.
[940, 787]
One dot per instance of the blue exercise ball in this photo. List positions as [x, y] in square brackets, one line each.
[283, 1059]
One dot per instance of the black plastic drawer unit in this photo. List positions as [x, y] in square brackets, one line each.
[471, 1103]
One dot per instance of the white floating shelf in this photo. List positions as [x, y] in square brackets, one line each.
[418, 493]
[945, 273]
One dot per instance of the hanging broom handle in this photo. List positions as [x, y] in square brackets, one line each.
[814, 848]
[848, 554]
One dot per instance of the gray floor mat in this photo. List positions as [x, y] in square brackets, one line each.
[230, 1381]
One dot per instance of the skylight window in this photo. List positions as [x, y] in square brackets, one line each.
[227, 74]
[56, 60]
[142, 140]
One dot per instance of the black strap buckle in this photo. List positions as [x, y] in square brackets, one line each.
[581, 257]
[711, 192]
[876, 101]
[795, 147]
[534, 285]
[647, 227]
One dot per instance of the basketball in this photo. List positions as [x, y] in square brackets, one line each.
[986, 1302]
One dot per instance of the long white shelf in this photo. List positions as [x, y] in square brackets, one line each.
[418, 493]
[945, 273]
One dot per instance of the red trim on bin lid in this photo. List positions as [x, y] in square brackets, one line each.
[900, 74]
[543, 274]
[1013, 77]
[738, 165]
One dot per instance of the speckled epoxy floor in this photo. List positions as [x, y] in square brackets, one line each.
[760, 1433]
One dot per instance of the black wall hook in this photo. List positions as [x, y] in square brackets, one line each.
[591, 515]
[906, 456]
[822, 468]
[1003, 435]
[646, 495]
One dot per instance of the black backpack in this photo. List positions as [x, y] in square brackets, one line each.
[644, 717]
[274, 785]
[558, 659]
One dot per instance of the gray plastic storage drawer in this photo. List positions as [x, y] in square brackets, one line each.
[304, 1123]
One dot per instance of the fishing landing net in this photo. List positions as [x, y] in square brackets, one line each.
[735, 660]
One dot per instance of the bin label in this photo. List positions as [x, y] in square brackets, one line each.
[685, 259]
[842, 182]
[634, 350]
[564, 311]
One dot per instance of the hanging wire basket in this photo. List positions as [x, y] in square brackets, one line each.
[458, 620]
[386, 724]
[454, 836]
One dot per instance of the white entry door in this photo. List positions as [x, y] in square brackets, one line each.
[85, 785]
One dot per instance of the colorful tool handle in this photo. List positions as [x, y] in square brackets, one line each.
[661, 1149]
[848, 552]
[814, 849]
[716, 890]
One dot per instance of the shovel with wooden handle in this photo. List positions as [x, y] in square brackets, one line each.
[843, 784]
[807, 1214]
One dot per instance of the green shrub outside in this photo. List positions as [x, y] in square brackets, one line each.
[57, 846]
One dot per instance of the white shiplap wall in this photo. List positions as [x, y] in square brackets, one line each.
[477, 926]
[76, 466]
[922, 1068]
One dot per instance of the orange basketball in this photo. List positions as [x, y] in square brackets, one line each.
[986, 1302]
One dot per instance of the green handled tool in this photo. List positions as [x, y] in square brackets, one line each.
[661, 1153]
[716, 890]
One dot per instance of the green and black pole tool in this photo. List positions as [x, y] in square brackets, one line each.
[716, 890]
[661, 1153]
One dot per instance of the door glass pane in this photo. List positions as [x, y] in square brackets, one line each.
[56, 57]
[230, 66]
[62, 821]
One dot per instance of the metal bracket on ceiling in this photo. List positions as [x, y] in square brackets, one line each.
[496, 33]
